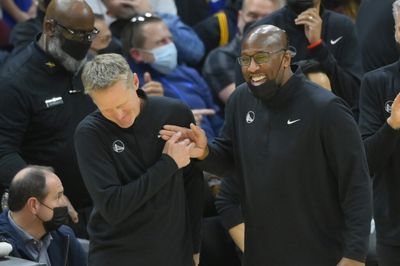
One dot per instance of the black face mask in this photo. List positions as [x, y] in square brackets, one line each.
[60, 217]
[267, 90]
[298, 6]
[75, 49]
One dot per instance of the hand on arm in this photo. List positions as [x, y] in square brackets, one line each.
[312, 24]
[394, 118]
[194, 134]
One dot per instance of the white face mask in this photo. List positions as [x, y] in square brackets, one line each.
[165, 58]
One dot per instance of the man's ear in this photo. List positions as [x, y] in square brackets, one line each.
[49, 27]
[288, 59]
[33, 205]
[135, 81]
[135, 55]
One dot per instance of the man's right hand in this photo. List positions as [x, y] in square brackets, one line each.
[394, 118]
[195, 134]
[179, 150]
[151, 87]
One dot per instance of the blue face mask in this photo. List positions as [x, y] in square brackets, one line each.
[165, 58]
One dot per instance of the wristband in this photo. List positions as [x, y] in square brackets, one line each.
[314, 44]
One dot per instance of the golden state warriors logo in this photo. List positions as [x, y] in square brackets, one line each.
[118, 146]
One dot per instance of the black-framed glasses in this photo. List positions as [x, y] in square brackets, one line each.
[259, 58]
[79, 34]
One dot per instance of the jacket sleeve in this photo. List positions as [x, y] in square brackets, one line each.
[346, 159]
[227, 203]
[194, 182]
[190, 47]
[114, 200]
[380, 139]
[14, 120]
[343, 68]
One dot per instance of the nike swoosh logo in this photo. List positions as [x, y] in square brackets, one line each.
[333, 42]
[292, 122]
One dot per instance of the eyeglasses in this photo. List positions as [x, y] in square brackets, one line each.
[259, 58]
[80, 35]
[143, 17]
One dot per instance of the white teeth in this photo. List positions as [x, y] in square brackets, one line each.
[258, 78]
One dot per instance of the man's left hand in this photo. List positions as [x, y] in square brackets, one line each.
[350, 262]
[312, 24]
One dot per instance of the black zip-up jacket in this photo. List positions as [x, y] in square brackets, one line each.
[41, 103]
[382, 145]
[338, 54]
[302, 175]
[146, 210]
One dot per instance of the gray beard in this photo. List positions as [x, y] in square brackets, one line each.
[70, 63]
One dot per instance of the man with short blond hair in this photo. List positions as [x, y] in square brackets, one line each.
[147, 194]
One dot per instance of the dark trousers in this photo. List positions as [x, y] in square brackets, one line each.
[388, 255]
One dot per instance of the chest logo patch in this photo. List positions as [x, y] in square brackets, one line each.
[388, 106]
[118, 146]
[335, 41]
[250, 117]
[289, 122]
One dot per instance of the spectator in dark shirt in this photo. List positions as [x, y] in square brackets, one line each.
[42, 101]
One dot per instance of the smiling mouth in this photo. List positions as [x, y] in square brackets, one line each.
[258, 79]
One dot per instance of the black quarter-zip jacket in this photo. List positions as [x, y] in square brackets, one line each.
[302, 172]
[146, 210]
[41, 103]
[382, 145]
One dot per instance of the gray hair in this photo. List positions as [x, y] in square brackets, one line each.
[396, 9]
[104, 71]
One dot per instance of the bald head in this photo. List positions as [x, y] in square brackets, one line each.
[265, 56]
[73, 14]
[267, 36]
